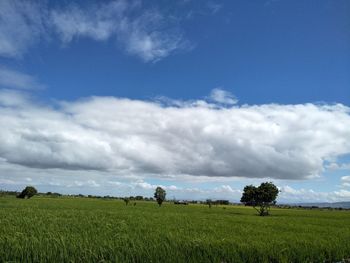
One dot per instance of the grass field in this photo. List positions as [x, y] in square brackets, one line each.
[94, 230]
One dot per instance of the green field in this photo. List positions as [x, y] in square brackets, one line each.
[94, 230]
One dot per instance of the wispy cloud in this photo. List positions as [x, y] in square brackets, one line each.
[147, 34]
[145, 38]
[18, 80]
[222, 96]
[214, 7]
[21, 25]
[338, 166]
[99, 22]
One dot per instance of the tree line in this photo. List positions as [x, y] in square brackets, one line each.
[261, 198]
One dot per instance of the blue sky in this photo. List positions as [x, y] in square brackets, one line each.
[270, 78]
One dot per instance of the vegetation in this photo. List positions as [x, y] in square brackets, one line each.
[76, 229]
[261, 198]
[27, 192]
[209, 202]
[126, 200]
[159, 195]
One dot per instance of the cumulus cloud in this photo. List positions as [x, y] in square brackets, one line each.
[346, 178]
[12, 98]
[145, 33]
[18, 80]
[143, 137]
[289, 194]
[345, 181]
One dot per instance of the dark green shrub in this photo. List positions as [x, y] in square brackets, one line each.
[27, 192]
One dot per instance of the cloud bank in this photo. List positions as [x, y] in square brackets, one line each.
[289, 194]
[133, 137]
[145, 33]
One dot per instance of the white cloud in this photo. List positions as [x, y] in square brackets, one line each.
[148, 34]
[223, 96]
[291, 195]
[88, 183]
[21, 25]
[342, 195]
[346, 178]
[96, 22]
[345, 181]
[142, 38]
[191, 193]
[14, 79]
[225, 188]
[133, 137]
[12, 98]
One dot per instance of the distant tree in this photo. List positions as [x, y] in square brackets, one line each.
[159, 195]
[261, 198]
[27, 192]
[53, 194]
[209, 202]
[126, 200]
[222, 202]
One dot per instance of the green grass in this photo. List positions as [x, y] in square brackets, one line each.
[94, 230]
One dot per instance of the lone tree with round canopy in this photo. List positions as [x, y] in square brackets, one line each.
[159, 195]
[27, 192]
[261, 198]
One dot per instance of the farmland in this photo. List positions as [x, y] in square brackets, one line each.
[94, 230]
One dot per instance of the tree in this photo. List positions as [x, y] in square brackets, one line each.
[159, 195]
[209, 202]
[126, 200]
[27, 192]
[261, 198]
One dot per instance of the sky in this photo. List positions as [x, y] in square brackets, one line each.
[199, 97]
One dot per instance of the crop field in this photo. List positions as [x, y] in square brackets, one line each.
[95, 230]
